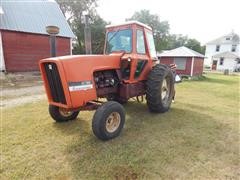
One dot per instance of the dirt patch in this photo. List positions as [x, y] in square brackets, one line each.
[20, 101]
[20, 88]
[19, 96]
[20, 80]
[27, 91]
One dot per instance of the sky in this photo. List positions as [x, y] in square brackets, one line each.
[203, 20]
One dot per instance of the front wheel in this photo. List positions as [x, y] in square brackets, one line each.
[108, 120]
[61, 115]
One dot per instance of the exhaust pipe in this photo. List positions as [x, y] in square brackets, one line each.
[52, 31]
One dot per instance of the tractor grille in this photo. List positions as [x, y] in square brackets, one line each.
[54, 82]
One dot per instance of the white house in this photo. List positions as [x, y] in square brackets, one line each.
[226, 60]
[225, 49]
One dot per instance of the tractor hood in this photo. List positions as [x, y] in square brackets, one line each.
[76, 74]
[81, 67]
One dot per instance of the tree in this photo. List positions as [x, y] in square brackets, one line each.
[163, 39]
[98, 34]
[73, 11]
[175, 41]
[160, 29]
[194, 44]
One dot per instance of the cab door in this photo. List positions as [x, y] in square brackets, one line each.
[141, 58]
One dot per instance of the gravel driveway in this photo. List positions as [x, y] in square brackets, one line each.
[19, 96]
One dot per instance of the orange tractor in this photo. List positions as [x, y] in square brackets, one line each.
[128, 68]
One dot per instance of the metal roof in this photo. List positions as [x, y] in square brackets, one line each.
[227, 54]
[231, 38]
[130, 22]
[33, 16]
[180, 52]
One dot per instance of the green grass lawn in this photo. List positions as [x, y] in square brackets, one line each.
[197, 139]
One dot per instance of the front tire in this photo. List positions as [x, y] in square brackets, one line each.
[160, 89]
[108, 120]
[61, 114]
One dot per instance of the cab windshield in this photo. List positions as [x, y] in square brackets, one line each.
[120, 40]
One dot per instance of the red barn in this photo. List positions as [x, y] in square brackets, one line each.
[189, 62]
[23, 37]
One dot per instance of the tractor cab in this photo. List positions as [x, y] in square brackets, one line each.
[135, 41]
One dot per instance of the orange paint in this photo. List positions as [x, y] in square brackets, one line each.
[80, 68]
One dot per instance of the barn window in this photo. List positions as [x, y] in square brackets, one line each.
[221, 61]
[181, 63]
[234, 47]
[217, 48]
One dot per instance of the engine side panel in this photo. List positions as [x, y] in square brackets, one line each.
[79, 83]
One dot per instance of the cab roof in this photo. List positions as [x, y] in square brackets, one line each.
[128, 23]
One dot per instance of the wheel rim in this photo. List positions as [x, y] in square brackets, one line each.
[65, 113]
[113, 122]
[165, 90]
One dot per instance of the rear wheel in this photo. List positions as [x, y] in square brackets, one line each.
[160, 89]
[61, 115]
[108, 120]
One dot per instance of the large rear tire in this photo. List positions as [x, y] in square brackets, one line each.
[160, 89]
[108, 120]
[61, 114]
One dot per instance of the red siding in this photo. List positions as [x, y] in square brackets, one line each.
[166, 60]
[170, 60]
[22, 51]
[198, 66]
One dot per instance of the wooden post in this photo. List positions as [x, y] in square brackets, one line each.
[87, 36]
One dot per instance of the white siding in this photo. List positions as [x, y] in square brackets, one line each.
[228, 63]
[2, 63]
[238, 49]
[211, 50]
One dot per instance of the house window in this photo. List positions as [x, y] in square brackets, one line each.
[181, 63]
[234, 47]
[238, 61]
[221, 61]
[228, 38]
[217, 48]
[140, 42]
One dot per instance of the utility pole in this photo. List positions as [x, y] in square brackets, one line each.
[87, 35]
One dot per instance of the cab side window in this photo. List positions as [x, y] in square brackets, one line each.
[140, 42]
